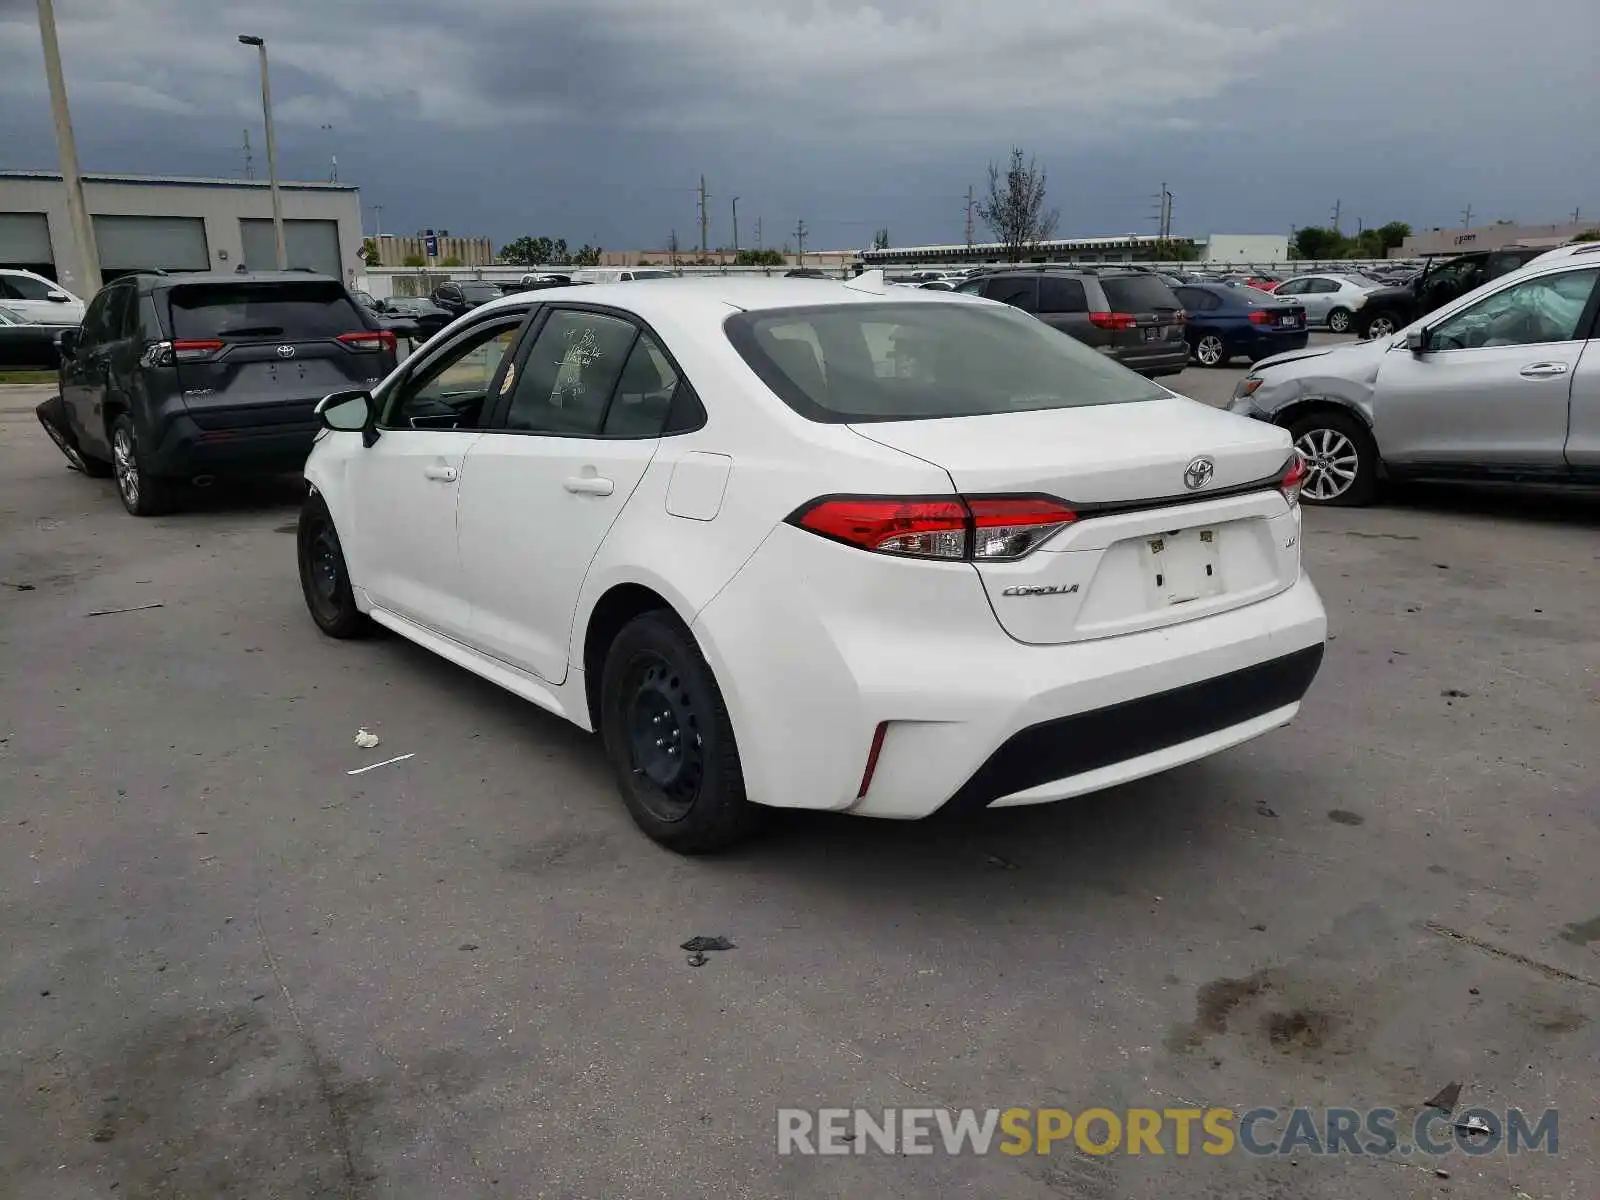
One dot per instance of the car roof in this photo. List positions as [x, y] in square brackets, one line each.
[714, 297]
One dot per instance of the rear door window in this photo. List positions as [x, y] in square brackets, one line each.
[1137, 293]
[1058, 295]
[293, 311]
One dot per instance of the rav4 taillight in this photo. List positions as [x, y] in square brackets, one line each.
[1293, 480]
[164, 354]
[368, 339]
[958, 529]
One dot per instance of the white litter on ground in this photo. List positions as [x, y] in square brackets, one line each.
[365, 739]
[376, 765]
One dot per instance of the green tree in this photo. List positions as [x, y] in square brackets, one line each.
[414, 260]
[587, 256]
[1588, 235]
[758, 258]
[880, 240]
[452, 261]
[369, 251]
[1316, 242]
[1176, 250]
[1394, 234]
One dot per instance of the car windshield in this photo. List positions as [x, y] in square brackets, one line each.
[314, 309]
[905, 362]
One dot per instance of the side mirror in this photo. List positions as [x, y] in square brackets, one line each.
[349, 412]
[1417, 340]
[67, 342]
[57, 297]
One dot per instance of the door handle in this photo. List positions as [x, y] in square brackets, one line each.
[589, 485]
[1544, 370]
[442, 474]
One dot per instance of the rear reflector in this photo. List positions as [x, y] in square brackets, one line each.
[872, 758]
[984, 529]
[1113, 320]
[369, 339]
[1293, 480]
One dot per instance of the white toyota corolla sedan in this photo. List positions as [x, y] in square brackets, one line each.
[803, 544]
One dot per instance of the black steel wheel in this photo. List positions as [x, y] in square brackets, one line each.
[323, 576]
[667, 734]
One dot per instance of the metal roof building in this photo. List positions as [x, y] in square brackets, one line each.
[1130, 247]
[177, 224]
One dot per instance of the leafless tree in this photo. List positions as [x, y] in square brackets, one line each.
[1015, 208]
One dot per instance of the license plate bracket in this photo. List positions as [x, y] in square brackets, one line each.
[1183, 566]
[1152, 332]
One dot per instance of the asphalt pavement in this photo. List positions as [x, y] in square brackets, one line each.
[234, 968]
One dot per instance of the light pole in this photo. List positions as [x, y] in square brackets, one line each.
[272, 149]
[736, 226]
[77, 207]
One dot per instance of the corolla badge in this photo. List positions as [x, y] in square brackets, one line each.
[285, 351]
[1041, 589]
[1198, 473]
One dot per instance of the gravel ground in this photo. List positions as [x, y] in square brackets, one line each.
[232, 968]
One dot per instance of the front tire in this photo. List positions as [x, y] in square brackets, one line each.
[669, 739]
[1382, 324]
[52, 415]
[143, 494]
[1211, 351]
[1340, 456]
[324, 578]
[1339, 320]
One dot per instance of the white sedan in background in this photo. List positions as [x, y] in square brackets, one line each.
[805, 544]
[1330, 300]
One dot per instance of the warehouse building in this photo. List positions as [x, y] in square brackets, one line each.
[143, 222]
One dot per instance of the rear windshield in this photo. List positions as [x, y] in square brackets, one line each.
[481, 291]
[279, 310]
[653, 275]
[904, 362]
[1137, 293]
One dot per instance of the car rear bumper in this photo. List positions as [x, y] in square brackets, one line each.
[1261, 343]
[1157, 358]
[184, 448]
[971, 717]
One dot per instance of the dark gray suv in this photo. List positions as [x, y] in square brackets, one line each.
[1132, 316]
[195, 376]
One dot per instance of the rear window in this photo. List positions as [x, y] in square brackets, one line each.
[905, 362]
[1137, 293]
[268, 310]
[481, 291]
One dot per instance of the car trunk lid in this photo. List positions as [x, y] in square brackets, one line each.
[1143, 309]
[1178, 511]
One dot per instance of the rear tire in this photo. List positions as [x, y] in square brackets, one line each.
[1339, 320]
[324, 578]
[142, 494]
[1211, 351]
[1382, 323]
[669, 739]
[1341, 459]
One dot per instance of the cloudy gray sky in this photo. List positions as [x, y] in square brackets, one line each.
[594, 119]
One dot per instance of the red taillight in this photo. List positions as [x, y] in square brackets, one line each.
[369, 339]
[1293, 480]
[985, 529]
[1261, 316]
[193, 348]
[1113, 320]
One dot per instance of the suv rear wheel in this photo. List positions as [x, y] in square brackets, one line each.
[143, 494]
[1339, 320]
[1211, 350]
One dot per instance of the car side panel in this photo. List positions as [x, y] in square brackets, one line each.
[1583, 432]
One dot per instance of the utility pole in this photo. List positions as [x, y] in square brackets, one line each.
[672, 248]
[1576, 214]
[77, 207]
[260, 44]
[1466, 217]
[758, 233]
[800, 241]
[249, 158]
[969, 216]
[377, 216]
[736, 226]
[1337, 206]
[704, 216]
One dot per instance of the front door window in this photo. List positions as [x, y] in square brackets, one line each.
[1546, 309]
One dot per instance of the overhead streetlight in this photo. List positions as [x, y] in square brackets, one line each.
[272, 149]
[77, 207]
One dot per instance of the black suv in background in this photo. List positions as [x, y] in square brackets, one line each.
[457, 297]
[175, 377]
[1441, 281]
[1132, 316]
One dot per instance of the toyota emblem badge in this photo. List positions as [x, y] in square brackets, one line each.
[1198, 473]
[285, 351]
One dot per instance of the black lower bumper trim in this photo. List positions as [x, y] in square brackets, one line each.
[1068, 746]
